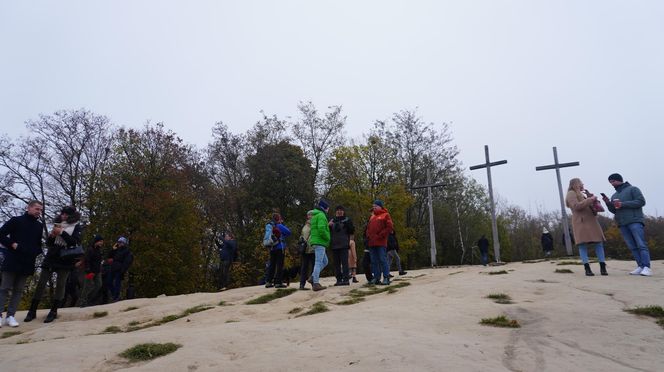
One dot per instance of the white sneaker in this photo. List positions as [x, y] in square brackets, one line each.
[646, 271]
[636, 271]
[12, 322]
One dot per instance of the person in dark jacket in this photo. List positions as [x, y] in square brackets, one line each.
[547, 242]
[483, 245]
[393, 252]
[227, 254]
[66, 234]
[120, 259]
[92, 271]
[341, 232]
[627, 206]
[21, 236]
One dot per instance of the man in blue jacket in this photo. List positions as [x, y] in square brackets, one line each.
[627, 205]
[21, 236]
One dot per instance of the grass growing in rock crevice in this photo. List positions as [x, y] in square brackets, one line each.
[563, 271]
[148, 351]
[170, 318]
[112, 329]
[501, 272]
[500, 298]
[500, 321]
[279, 293]
[351, 301]
[654, 311]
[318, 307]
[130, 308]
[372, 290]
[10, 334]
[99, 314]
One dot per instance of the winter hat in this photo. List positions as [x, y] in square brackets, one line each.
[322, 204]
[340, 208]
[123, 240]
[378, 202]
[97, 238]
[615, 177]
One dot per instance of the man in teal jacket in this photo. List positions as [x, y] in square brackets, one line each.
[319, 240]
[627, 205]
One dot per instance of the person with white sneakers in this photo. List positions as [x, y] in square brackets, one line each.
[21, 236]
[627, 206]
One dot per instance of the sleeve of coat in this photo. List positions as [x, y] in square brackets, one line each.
[389, 225]
[574, 204]
[5, 230]
[638, 200]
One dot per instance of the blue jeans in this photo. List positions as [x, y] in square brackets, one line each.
[484, 257]
[599, 251]
[319, 263]
[379, 262]
[635, 238]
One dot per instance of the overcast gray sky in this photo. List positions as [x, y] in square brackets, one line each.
[519, 76]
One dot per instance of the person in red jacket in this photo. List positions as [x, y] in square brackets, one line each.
[378, 229]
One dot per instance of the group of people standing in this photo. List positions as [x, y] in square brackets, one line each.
[21, 238]
[337, 234]
[626, 204]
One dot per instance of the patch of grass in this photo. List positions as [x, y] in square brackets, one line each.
[500, 298]
[654, 311]
[534, 261]
[170, 318]
[10, 334]
[500, 321]
[318, 307]
[372, 289]
[456, 272]
[99, 314]
[351, 301]
[232, 321]
[112, 329]
[223, 303]
[279, 293]
[563, 263]
[295, 310]
[149, 351]
[130, 308]
[501, 272]
[564, 271]
[134, 323]
[24, 341]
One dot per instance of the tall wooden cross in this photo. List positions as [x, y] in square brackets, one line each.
[557, 166]
[432, 230]
[494, 225]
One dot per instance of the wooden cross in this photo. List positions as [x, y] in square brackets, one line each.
[432, 231]
[494, 225]
[557, 166]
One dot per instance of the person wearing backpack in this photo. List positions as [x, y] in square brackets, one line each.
[341, 232]
[275, 240]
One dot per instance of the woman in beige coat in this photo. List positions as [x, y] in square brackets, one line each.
[584, 224]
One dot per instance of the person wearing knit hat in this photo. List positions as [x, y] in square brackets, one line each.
[379, 227]
[341, 232]
[627, 206]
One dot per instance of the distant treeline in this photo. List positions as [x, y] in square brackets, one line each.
[172, 199]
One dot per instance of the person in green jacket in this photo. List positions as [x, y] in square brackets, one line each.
[319, 240]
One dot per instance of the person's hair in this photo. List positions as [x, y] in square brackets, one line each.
[573, 183]
[276, 217]
[35, 202]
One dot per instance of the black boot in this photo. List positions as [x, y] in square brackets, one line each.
[53, 314]
[602, 268]
[32, 312]
[588, 271]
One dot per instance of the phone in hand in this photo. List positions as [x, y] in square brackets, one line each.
[603, 195]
